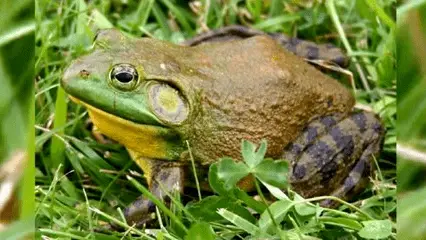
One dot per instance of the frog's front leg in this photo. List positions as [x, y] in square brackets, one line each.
[163, 178]
[334, 155]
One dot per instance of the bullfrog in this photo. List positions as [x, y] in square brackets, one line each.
[157, 98]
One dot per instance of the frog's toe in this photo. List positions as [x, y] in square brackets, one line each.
[140, 212]
[164, 178]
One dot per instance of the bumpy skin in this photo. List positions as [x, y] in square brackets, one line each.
[247, 89]
[302, 48]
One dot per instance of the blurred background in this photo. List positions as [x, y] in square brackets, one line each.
[17, 28]
[411, 168]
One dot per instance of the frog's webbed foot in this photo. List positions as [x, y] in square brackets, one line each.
[163, 178]
[302, 48]
[334, 155]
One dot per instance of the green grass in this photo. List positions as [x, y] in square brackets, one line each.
[82, 184]
[17, 28]
[411, 120]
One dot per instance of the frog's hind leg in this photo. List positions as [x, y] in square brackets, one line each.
[163, 177]
[357, 180]
[334, 155]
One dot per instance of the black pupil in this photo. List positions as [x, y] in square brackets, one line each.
[124, 77]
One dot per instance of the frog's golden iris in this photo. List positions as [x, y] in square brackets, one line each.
[124, 77]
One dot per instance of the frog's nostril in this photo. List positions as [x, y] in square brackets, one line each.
[84, 74]
[74, 72]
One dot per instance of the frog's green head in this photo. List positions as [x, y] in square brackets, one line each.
[131, 94]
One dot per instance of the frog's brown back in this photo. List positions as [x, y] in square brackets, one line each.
[253, 89]
[302, 48]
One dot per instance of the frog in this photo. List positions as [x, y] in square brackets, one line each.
[171, 105]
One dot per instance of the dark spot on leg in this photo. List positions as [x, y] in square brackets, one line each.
[138, 210]
[290, 47]
[154, 186]
[313, 52]
[127, 211]
[341, 61]
[363, 167]
[349, 184]
[138, 202]
[311, 134]
[150, 206]
[328, 121]
[295, 41]
[377, 128]
[328, 171]
[164, 176]
[280, 38]
[321, 153]
[367, 170]
[341, 140]
[360, 167]
[348, 149]
[299, 172]
[329, 46]
[360, 120]
[294, 149]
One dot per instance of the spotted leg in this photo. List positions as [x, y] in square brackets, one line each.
[333, 155]
[163, 177]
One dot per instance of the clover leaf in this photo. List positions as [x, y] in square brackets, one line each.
[231, 171]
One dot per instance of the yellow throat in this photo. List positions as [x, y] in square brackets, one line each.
[145, 140]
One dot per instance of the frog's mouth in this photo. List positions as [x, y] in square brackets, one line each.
[149, 141]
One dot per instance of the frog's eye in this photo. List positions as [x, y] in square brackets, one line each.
[167, 103]
[124, 77]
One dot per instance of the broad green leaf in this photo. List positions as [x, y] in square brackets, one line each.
[279, 210]
[231, 172]
[217, 185]
[248, 152]
[376, 229]
[304, 209]
[206, 209]
[239, 221]
[276, 192]
[257, 206]
[200, 231]
[260, 154]
[341, 222]
[252, 157]
[272, 172]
